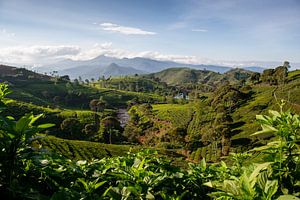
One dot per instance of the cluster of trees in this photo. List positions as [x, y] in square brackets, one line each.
[103, 128]
[276, 76]
[139, 123]
[137, 84]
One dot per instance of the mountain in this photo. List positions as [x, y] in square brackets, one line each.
[142, 65]
[95, 71]
[255, 69]
[115, 70]
[130, 66]
[177, 76]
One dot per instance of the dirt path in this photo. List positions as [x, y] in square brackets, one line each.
[123, 116]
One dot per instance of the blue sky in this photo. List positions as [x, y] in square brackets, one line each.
[191, 31]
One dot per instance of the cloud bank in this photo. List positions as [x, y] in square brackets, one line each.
[43, 55]
[36, 55]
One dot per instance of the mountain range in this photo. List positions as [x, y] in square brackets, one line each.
[111, 66]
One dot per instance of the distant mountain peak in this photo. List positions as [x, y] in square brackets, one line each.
[113, 65]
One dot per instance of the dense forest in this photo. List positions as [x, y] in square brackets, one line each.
[176, 134]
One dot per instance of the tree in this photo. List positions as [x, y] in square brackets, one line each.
[71, 126]
[65, 78]
[286, 64]
[228, 96]
[267, 76]
[222, 126]
[76, 82]
[80, 79]
[254, 78]
[280, 74]
[97, 105]
[56, 99]
[90, 130]
[110, 130]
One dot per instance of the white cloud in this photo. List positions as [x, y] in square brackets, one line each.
[171, 57]
[6, 33]
[36, 54]
[40, 55]
[199, 30]
[43, 55]
[124, 29]
[107, 49]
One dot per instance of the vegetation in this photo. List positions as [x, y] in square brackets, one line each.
[144, 175]
[216, 136]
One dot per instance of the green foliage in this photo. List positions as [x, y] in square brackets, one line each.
[3, 92]
[71, 128]
[15, 139]
[283, 152]
[178, 115]
[110, 131]
[267, 172]
[82, 150]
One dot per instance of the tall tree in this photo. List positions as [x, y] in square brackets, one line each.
[222, 127]
[97, 105]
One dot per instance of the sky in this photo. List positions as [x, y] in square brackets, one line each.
[225, 32]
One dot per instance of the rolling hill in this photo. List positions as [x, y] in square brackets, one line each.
[178, 76]
[95, 71]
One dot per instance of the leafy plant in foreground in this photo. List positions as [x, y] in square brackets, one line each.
[278, 175]
[15, 139]
[284, 151]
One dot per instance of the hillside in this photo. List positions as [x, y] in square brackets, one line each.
[193, 125]
[212, 126]
[58, 91]
[20, 73]
[88, 72]
[179, 76]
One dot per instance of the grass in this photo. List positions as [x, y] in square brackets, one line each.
[82, 150]
[72, 96]
[120, 97]
[85, 150]
[267, 98]
[178, 115]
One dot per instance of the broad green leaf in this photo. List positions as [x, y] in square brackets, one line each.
[85, 185]
[150, 195]
[34, 118]
[265, 130]
[141, 165]
[260, 117]
[209, 184]
[257, 169]
[99, 184]
[23, 123]
[45, 126]
[271, 188]
[11, 136]
[274, 113]
[262, 179]
[203, 164]
[288, 197]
